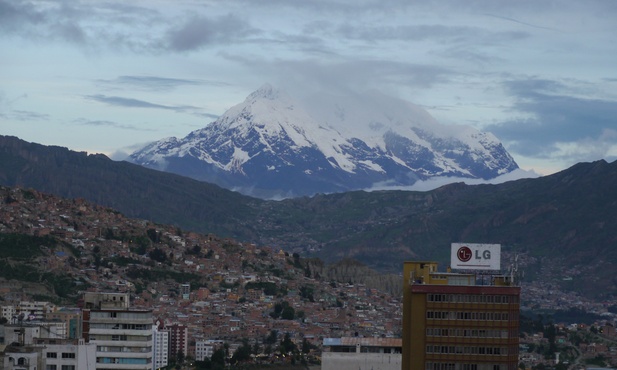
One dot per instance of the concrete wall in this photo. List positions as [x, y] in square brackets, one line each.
[360, 361]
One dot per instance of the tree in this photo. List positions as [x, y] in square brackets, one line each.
[272, 337]
[243, 353]
[278, 309]
[141, 245]
[195, 250]
[307, 346]
[206, 364]
[550, 333]
[287, 345]
[218, 359]
[180, 357]
[307, 293]
[256, 348]
[288, 313]
[158, 255]
[153, 235]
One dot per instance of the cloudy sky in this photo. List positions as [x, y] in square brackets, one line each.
[105, 76]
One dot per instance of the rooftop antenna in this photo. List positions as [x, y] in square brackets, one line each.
[514, 269]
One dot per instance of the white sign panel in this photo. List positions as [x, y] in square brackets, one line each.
[475, 256]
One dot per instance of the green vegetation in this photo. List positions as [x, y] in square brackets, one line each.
[123, 261]
[24, 247]
[599, 361]
[268, 288]
[17, 261]
[21, 271]
[158, 274]
[63, 286]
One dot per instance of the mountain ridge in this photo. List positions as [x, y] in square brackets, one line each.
[565, 221]
[271, 145]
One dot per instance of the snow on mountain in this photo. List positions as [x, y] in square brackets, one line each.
[271, 145]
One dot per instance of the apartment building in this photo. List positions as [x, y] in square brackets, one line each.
[161, 347]
[123, 336]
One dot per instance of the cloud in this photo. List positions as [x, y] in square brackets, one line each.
[520, 22]
[8, 112]
[555, 122]
[156, 83]
[50, 21]
[23, 115]
[104, 123]
[200, 31]
[115, 25]
[345, 76]
[433, 32]
[208, 115]
[14, 15]
[135, 103]
[436, 182]
[122, 154]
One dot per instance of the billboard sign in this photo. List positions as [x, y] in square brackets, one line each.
[475, 256]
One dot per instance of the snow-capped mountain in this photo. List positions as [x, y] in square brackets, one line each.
[271, 145]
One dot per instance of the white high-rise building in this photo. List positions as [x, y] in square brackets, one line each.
[161, 347]
[123, 336]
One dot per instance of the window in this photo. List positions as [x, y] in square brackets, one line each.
[68, 367]
[68, 355]
[52, 355]
[51, 367]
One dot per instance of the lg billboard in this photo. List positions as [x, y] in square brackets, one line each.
[475, 256]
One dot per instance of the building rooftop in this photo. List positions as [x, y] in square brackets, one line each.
[366, 342]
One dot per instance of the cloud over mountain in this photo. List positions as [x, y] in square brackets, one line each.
[271, 145]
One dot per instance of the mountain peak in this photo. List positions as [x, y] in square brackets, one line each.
[266, 91]
[270, 145]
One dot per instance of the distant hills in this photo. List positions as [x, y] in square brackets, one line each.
[272, 146]
[564, 226]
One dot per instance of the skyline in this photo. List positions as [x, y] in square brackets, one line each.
[106, 77]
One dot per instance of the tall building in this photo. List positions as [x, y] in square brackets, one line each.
[161, 347]
[178, 340]
[123, 336]
[452, 321]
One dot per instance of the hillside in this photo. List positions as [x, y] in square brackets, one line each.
[563, 225]
[53, 249]
[131, 189]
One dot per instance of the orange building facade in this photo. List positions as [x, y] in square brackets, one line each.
[450, 322]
